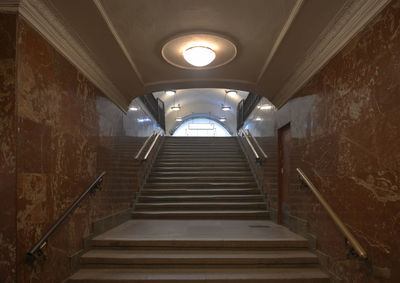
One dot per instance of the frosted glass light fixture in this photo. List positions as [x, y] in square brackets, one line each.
[225, 108]
[258, 119]
[231, 93]
[178, 119]
[222, 119]
[133, 108]
[170, 92]
[176, 107]
[199, 56]
[265, 107]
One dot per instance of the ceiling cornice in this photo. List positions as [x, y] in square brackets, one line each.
[285, 28]
[9, 5]
[45, 19]
[117, 38]
[353, 16]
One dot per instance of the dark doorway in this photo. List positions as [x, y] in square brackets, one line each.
[283, 170]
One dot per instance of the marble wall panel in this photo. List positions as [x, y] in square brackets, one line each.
[69, 132]
[7, 148]
[345, 136]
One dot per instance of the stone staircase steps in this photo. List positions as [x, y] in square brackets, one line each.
[200, 217]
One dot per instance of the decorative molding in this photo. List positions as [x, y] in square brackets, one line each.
[285, 28]
[43, 16]
[9, 5]
[117, 38]
[350, 20]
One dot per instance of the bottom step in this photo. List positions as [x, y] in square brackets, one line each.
[305, 275]
[183, 214]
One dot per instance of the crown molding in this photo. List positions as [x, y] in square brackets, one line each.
[49, 23]
[114, 32]
[350, 20]
[278, 41]
[9, 5]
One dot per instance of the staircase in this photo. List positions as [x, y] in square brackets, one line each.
[200, 178]
[199, 218]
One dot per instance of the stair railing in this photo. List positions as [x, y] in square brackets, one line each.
[37, 251]
[265, 156]
[152, 145]
[350, 239]
[258, 159]
[144, 145]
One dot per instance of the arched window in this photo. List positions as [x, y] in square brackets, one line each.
[201, 127]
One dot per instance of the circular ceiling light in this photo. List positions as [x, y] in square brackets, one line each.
[199, 51]
[199, 56]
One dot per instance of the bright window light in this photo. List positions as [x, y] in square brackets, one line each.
[199, 56]
[201, 127]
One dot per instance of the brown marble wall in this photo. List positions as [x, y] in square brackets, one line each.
[7, 148]
[68, 133]
[345, 135]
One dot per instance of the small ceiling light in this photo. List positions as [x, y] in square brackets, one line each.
[178, 119]
[222, 119]
[199, 56]
[265, 107]
[258, 119]
[133, 108]
[226, 108]
[176, 107]
[170, 92]
[231, 93]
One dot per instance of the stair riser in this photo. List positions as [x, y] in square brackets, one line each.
[141, 207]
[201, 199]
[249, 185]
[165, 193]
[206, 215]
[200, 262]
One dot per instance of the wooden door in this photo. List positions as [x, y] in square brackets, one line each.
[283, 169]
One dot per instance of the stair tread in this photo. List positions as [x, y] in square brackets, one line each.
[201, 274]
[151, 253]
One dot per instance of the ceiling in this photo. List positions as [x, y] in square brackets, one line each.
[280, 43]
[201, 101]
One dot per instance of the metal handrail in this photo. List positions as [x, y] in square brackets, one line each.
[152, 145]
[144, 145]
[257, 144]
[250, 144]
[37, 250]
[350, 238]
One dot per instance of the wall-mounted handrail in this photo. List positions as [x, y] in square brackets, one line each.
[250, 144]
[152, 145]
[144, 145]
[37, 250]
[257, 144]
[350, 238]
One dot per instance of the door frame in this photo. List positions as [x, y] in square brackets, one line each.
[280, 172]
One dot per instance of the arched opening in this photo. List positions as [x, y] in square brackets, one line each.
[200, 127]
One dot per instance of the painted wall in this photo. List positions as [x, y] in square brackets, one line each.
[65, 133]
[345, 135]
[7, 148]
